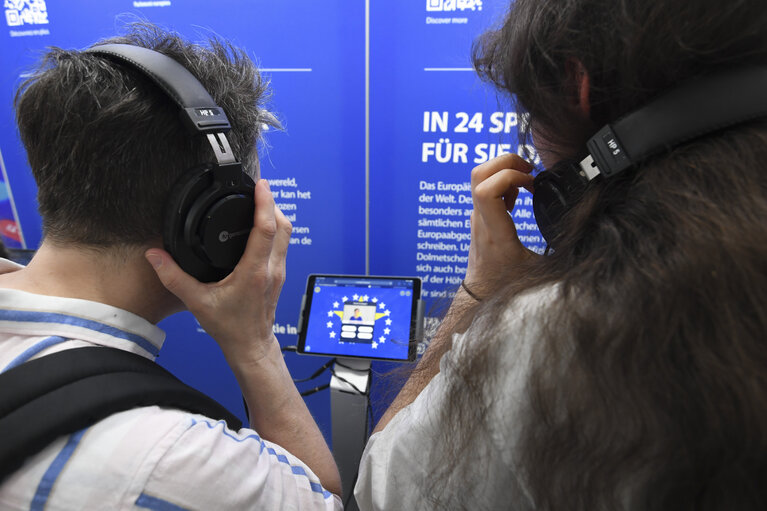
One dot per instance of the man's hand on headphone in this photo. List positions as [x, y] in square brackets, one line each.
[238, 312]
[495, 248]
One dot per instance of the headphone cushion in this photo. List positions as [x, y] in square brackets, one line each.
[179, 203]
[557, 190]
[208, 215]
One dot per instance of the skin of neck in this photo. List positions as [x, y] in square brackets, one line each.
[116, 276]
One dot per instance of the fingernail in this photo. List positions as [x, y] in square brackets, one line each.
[154, 259]
[267, 184]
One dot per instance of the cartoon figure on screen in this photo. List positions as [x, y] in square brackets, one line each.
[360, 323]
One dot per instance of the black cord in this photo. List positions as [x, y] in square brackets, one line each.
[314, 390]
[344, 380]
[316, 373]
[339, 364]
[290, 348]
[358, 391]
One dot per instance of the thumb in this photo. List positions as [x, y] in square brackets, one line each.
[175, 280]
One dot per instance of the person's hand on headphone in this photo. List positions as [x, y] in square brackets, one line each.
[495, 247]
[238, 312]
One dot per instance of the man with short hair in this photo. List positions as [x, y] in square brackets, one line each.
[106, 146]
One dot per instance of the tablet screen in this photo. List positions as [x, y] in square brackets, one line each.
[360, 316]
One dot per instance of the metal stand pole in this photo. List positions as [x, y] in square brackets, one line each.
[349, 388]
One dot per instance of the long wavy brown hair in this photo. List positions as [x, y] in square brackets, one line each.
[648, 384]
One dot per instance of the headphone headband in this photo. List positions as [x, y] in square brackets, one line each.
[199, 112]
[209, 211]
[692, 110]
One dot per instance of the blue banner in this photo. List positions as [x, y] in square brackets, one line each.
[384, 119]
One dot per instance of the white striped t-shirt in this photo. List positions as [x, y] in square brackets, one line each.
[145, 458]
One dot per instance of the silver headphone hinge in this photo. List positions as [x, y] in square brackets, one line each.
[221, 148]
[589, 169]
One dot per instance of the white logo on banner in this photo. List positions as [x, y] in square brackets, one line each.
[453, 5]
[25, 12]
[153, 3]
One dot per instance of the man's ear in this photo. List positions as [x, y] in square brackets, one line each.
[579, 87]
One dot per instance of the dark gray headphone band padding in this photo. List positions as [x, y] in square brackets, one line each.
[692, 110]
[173, 78]
[696, 108]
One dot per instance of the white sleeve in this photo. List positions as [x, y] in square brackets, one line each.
[212, 467]
[395, 459]
[395, 463]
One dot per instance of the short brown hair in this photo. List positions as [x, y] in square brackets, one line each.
[106, 145]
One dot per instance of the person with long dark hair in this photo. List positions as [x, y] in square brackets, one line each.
[628, 368]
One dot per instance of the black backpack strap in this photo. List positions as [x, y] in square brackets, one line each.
[62, 393]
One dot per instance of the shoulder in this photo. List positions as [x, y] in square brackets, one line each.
[106, 462]
[510, 326]
[210, 466]
[168, 459]
[399, 460]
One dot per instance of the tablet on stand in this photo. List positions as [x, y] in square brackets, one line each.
[357, 319]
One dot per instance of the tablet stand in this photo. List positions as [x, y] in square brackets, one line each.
[349, 391]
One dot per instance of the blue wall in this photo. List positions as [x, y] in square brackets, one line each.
[384, 120]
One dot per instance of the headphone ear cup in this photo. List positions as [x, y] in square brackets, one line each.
[208, 217]
[556, 191]
[180, 200]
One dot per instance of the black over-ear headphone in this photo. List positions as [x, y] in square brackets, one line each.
[685, 113]
[209, 212]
